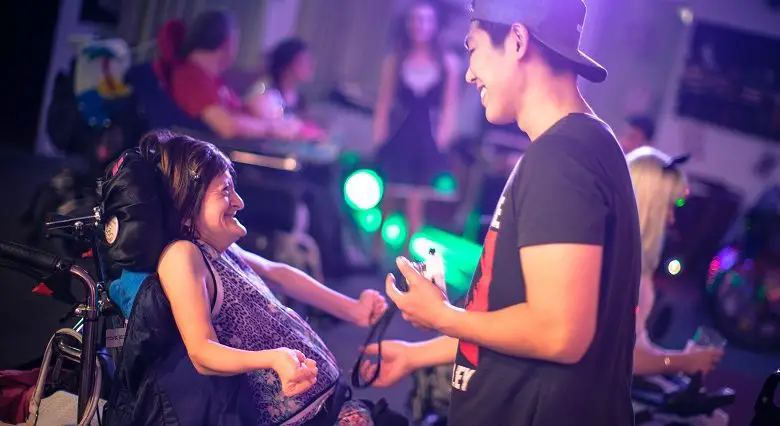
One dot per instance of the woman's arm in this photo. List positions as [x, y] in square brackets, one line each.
[384, 100]
[447, 127]
[650, 359]
[183, 275]
[230, 125]
[302, 287]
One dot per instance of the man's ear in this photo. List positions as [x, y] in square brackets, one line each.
[518, 40]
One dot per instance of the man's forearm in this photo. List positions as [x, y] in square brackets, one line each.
[306, 289]
[429, 353]
[516, 330]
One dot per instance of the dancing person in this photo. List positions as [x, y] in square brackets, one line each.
[415, 112]
[219, 294]
[658, 184]
[639, 132]
[194, 59]
[547, 333]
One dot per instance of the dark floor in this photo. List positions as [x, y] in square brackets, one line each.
[28, 320]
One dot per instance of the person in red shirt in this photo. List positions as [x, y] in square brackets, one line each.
[191, 63]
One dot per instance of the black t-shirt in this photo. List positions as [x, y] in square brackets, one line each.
[571, 186]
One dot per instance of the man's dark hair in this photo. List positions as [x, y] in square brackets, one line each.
[499, 32]
[642, 123]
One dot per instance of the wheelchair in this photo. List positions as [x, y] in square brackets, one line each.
[85, 343]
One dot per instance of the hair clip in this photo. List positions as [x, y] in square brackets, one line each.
[676, 161]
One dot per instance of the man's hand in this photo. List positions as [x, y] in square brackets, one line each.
[370, 308]
[395, 363]
[425, 304]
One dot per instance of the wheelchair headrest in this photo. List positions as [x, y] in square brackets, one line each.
[137, 211]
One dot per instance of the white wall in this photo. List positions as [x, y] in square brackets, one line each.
[723, 155]
[643, 44]
[62, 50]
[280, 21]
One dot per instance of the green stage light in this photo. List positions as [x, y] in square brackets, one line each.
[445, 184]
[394, 230]
[369, 220]
[363, 189]
[460, 257]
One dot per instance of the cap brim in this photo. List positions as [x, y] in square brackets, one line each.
[584, 65]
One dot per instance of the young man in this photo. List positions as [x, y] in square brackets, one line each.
[639, 132]
[547, 333]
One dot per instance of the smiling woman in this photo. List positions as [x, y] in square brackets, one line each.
[229, 321]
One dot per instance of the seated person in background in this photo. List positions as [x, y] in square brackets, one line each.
[228, 318]
[276, 96]
[194, 60]
[658, 184]
[639, 132]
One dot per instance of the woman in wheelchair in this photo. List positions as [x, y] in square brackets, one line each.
[658, 185]
[229, 321]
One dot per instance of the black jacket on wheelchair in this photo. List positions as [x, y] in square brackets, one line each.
[156, 383]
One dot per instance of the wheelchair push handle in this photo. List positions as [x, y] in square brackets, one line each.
[33, 258]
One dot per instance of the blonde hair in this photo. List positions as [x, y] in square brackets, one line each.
[656, 188]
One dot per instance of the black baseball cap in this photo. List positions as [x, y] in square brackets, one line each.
[556, 24]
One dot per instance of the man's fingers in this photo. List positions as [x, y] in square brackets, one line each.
[407, 270]
[371, 349]
[368, 370]
[392, 291]
[301, 357]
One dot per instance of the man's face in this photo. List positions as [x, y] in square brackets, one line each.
[494, 70]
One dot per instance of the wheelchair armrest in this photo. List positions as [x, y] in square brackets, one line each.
[680, 395]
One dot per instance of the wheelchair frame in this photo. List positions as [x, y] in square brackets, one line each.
[95, 307]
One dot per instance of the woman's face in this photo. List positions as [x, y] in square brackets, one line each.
[302, 67]
[216, 223]
[421, 24]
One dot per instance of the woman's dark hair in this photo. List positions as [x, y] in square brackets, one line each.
[498, 33]
[283, 56]
[188, 166]
[403, 44]
[209, 31]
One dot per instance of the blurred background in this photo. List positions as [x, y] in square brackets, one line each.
[686, 76]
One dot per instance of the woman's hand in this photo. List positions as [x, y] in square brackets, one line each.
[370, 308]
[395, 363]
[287, 128]
[700, 358]
[296, 372]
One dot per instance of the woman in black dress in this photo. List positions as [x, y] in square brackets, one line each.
[415, 113]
